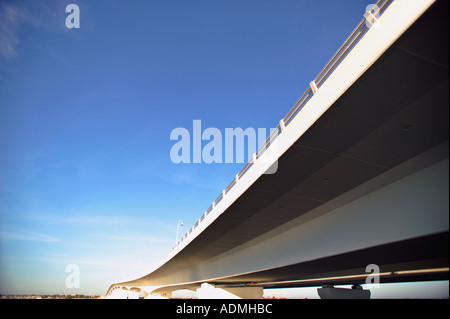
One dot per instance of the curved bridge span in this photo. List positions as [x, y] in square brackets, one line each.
[362, 174]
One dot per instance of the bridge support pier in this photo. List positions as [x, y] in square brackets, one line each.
[330, 292]
[208, 291]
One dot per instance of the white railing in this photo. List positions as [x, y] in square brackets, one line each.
[377, 10]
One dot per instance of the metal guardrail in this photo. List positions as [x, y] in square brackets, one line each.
[377, 10]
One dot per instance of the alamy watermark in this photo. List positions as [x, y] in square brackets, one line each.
[73, 279]
[210, 145]
[373, 280]
[73, 19]
[372, 15]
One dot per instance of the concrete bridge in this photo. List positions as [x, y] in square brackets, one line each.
[362, 175]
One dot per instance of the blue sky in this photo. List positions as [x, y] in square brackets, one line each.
[86, 114]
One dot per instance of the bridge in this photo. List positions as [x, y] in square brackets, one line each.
[355, 174]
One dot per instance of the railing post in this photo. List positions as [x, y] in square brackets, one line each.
[282, 125]
[313, 86]
[370, 18]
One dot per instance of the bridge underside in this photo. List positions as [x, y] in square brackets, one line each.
[397, 110]
[349, 268]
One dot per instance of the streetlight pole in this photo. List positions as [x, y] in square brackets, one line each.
[180, 223]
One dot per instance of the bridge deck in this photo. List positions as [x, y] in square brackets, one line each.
[395, 111]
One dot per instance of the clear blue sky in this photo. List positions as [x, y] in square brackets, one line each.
[86, 114]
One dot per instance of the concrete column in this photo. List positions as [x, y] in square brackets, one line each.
[208, 291]
[330, 292]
